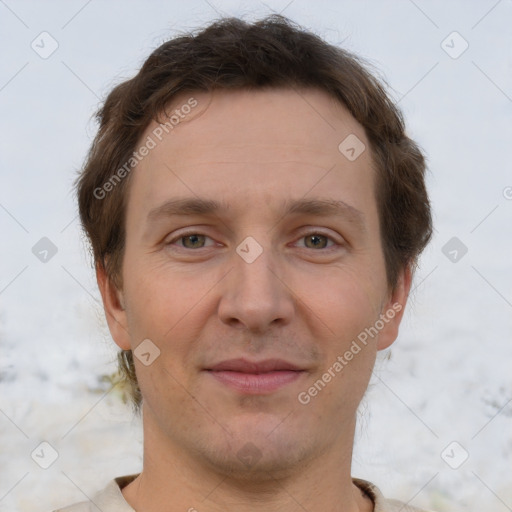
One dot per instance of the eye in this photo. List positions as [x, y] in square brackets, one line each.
[315, 240]
[190, 241]
[194, 240]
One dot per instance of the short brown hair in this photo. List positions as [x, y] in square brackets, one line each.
[234, 54]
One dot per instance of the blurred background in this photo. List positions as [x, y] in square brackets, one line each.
[435, 428]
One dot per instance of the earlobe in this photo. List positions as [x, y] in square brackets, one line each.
[114, 307]
[394, 308]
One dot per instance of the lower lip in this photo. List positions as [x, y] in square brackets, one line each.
[256, 384]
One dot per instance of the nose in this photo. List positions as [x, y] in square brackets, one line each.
[256, 295]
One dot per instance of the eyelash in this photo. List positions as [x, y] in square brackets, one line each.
[302, 236]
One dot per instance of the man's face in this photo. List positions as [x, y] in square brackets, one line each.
[255, 280]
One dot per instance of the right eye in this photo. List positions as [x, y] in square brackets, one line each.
[191, 240]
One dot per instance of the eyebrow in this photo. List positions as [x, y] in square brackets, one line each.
[316, 206]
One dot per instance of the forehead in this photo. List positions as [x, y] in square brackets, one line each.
[300, 121]
[244, 144]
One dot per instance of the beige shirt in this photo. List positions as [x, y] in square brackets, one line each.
[111, 499]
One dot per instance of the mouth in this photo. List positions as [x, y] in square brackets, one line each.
[255, 378]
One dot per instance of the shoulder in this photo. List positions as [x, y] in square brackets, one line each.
[382, 504]
[84, 506]
[110, 499]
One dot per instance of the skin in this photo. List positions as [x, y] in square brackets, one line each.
[200, 303]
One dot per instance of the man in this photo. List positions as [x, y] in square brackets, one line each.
[256, 212]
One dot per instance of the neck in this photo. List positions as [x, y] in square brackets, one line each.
[174, 480]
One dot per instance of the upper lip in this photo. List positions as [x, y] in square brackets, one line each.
[246, 366]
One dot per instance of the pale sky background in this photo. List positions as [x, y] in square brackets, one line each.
[449, 377]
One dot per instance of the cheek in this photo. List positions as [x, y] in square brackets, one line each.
[347, 302]
[164, 307]
[169, 307]
[346, 307]
[160, 297]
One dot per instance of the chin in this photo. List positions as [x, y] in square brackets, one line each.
[259, 456]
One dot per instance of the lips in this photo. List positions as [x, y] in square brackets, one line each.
[255, 377]
[245, 366]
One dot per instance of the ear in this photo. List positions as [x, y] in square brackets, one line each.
[113, 304]
[393, 309]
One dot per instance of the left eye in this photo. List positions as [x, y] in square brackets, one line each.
[316, 241]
